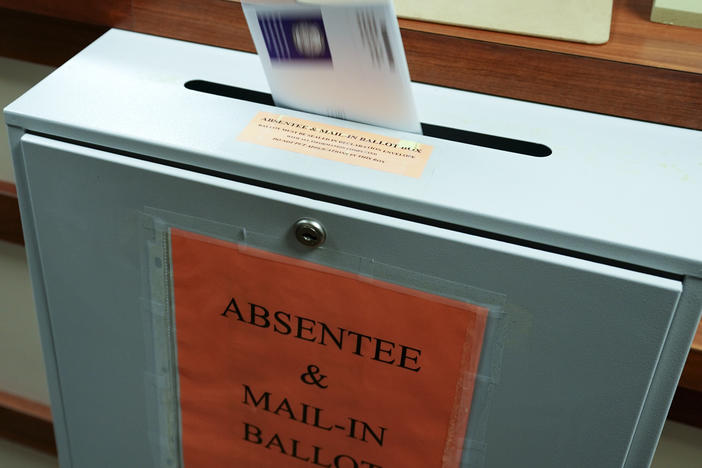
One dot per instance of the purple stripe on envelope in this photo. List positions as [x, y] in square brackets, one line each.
[295, 38]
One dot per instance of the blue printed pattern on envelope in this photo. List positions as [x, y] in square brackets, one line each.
[295, 39]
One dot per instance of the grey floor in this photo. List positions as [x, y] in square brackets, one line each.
[680, 447]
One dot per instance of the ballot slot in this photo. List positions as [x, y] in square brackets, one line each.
[526, 148]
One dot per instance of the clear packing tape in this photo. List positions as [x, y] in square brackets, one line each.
[162, 376]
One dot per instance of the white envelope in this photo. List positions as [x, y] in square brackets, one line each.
[342, 59]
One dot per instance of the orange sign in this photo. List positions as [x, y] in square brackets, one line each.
[286, 363]
[347, 145]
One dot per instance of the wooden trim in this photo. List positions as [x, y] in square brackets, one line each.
[646, 71]
[10, 223]
[115, 13]
[686, 407]
[573, 79]
[585, 83]
[27, 422]
[42, 39]
[692, 373]
[214, 22]
[634, 39]
[691, 377]
[697, 340]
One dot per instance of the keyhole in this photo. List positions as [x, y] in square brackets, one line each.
[310, 237]
[309, 232]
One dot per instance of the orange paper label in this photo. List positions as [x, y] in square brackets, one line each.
[347, 145]
[285, 363]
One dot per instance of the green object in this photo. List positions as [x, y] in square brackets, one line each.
[678, 12]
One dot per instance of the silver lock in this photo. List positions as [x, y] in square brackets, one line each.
[310, 232]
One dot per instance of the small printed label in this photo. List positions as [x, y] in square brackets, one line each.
[346, 145]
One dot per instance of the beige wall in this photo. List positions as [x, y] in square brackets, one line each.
[21, 363]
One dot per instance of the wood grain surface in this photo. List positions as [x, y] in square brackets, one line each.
[43, 39]
[573, 76]
[585, 83]
[10, 224]
[215, 22]
[633, 39]
[115, 13]
[691, 377]
[26, 422]
[686, 407]
[647, 71]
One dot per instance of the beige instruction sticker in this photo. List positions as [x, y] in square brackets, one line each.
[347, 145]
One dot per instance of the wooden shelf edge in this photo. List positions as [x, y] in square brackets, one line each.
[10, 223]
[583, 83]
[634, 39]
[691, 377]
[100, 12]
[591, 84]
[686, 407]
[27, 422]
[43, 39]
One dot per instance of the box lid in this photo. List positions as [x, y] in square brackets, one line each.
[614, 190]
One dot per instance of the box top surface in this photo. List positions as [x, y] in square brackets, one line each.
[613, 188]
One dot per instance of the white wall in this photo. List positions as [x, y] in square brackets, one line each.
[21, 363]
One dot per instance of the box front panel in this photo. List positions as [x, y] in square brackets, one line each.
[569, 373]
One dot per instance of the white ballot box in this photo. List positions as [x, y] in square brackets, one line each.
[222, 282]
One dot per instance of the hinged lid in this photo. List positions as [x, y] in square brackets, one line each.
[614, 189]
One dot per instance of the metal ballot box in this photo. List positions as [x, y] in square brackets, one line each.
[220, 282]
